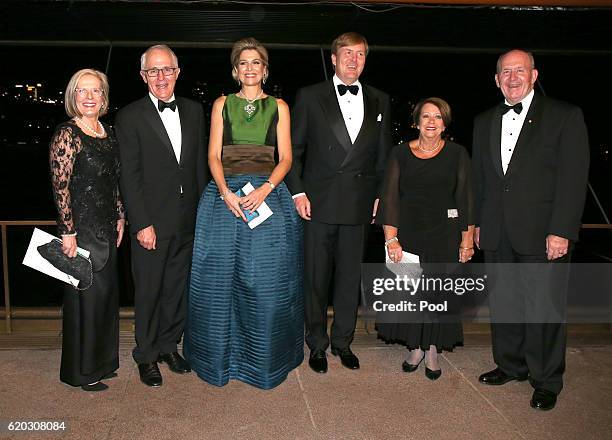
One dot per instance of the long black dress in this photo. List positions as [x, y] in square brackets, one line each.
[416, 198]
[85, 176]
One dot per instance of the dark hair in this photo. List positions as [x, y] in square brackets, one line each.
[442, 105]
[348, 39]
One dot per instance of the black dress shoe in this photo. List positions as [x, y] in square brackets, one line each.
[409, 368]
[432, 374]
[543, 399]
[150, 374]
[347, 357]
[318, 361]
[175, 362]
[498, 377]
[98, 386]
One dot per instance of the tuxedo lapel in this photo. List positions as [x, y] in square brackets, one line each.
[151, 116]
[495, 141]
[186, 138]
[369, 118]
[526, 136]
[333, 115]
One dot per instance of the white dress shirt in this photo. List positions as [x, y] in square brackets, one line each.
[511, 128]
[172, 124]
[351, 107]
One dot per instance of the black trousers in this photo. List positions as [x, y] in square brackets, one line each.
[527, 300]
[160, 306]
[331, 250]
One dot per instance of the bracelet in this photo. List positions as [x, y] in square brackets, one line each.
[391, 240]
[272, 186]
[225, 193]
[466, 248]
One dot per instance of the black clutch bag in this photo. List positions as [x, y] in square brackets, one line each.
[78, 267]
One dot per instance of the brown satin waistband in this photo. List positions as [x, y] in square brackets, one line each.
[248, 159]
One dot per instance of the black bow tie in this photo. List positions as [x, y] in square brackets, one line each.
[354, 89]
[505, 108]
[161, 105]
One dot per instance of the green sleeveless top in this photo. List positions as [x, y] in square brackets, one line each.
[257, 129]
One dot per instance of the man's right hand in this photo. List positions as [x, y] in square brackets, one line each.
[147, 238]
[302, 206]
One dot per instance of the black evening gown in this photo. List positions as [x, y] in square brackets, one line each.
[416, 198]
[85, 176]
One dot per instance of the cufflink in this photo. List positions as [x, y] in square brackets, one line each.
[379, 118]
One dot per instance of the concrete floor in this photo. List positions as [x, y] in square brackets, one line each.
[378, 401]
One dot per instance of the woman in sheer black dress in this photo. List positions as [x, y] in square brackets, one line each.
[84, 163]
[426, 209]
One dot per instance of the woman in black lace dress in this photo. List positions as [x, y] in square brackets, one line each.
[84, 162]
[426, 208]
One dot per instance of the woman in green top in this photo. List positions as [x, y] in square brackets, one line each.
[245, 317]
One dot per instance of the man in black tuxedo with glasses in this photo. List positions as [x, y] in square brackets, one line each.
[162, 143]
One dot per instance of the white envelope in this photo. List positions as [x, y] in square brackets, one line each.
[264, 210]
[409, 265]
[34, 260]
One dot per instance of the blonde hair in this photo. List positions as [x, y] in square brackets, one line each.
[348, 39]
[70, 94]
[248, 43]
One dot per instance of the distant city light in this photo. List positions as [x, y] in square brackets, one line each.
[18, 85]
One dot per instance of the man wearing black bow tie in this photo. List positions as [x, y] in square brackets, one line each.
[530, 164]
[162, 142]
[340, 134]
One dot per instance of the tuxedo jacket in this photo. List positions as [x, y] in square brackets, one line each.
[544, 188]
[151, 177]
[340, 178]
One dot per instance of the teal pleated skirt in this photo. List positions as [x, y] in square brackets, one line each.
[245, 304]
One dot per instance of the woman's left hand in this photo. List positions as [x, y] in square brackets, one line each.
[120, 229]
[255, 198]
[465, 254]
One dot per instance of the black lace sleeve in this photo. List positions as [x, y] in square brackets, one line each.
[120, 208]
[62, 154]
[389, 204]
[464, 191]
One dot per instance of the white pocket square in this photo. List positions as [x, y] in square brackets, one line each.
[379, 118]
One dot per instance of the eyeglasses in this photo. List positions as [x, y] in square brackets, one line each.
[167, 71]
[84, 92]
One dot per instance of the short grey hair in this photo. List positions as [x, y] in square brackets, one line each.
[143, 57]
[70, 94]
[529, 54]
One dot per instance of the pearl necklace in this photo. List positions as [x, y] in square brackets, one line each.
[250, 108]
[424, 150]
[91, 129]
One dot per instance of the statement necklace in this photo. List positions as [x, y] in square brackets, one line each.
[424, 150]
[250, 107]
[91, 129]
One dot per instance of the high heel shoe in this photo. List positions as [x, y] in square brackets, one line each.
[432, 374]
[409, 368]
[93, 387]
